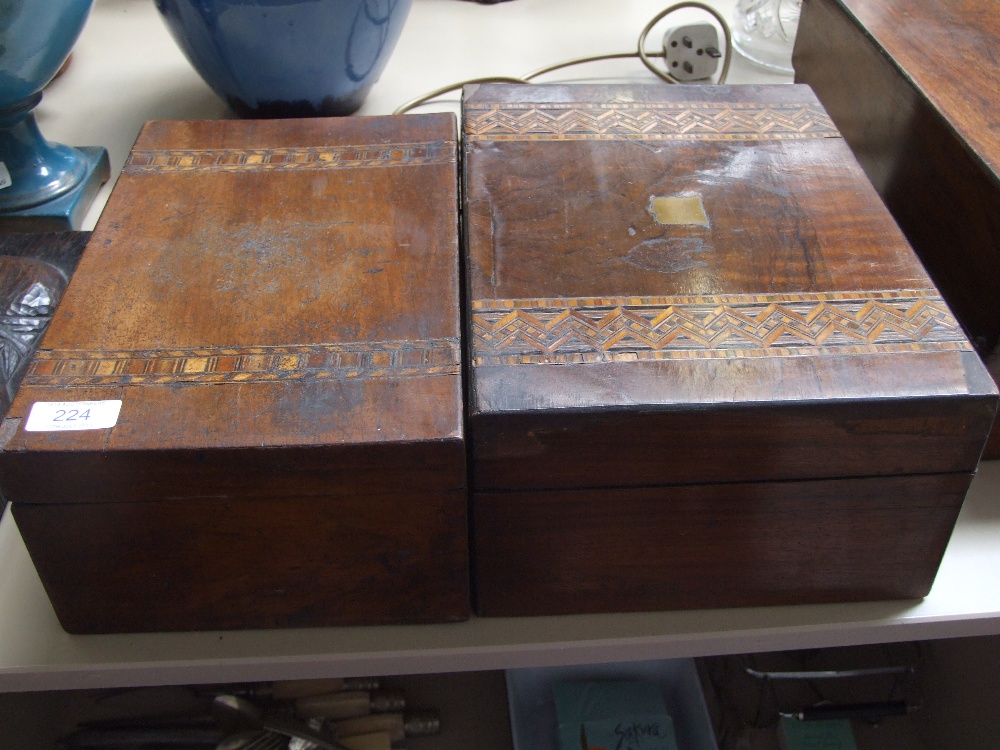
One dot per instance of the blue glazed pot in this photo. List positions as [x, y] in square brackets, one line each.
[35, 40]
[287, 58]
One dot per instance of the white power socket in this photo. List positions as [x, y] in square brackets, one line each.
[692, 52]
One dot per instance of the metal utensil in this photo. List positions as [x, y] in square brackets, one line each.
[234, 713]
[254, 740]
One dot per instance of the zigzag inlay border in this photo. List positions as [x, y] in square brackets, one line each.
[388, 359]
[646, 121]
[603, 329]
[268, 159]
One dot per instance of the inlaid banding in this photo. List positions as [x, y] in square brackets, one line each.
[646, 121]
[62, 368]
[268, 159]
[579, 330]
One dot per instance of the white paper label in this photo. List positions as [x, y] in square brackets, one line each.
[5, 180]
[59, 416]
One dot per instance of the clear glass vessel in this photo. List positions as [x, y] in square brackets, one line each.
[764, 32]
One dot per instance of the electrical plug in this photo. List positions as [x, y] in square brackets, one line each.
[692, 52]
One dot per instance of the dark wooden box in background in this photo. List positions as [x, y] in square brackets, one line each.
[913, 85]
[707, 370]
[276, 306]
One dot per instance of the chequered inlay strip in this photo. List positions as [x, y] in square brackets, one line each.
[565, 331]
[391, 359]
[263, 159]
[646, 121]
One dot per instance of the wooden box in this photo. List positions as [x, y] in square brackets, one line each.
[912, 87]
[706, 368]
[276, 306]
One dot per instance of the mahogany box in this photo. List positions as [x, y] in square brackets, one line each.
[274, 308]
[913, 87]
[706, 369]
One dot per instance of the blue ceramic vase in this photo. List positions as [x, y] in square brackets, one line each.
[287, 58]
[42, 185]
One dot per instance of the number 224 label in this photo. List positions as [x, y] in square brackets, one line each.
[57, 416]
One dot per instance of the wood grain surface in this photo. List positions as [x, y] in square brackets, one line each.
[795, 287]
[948, 51]
[276, 306]
[327, 285]
[262, 562]
[621, 446]
[912, 87]
[707, 369]
[721, 545]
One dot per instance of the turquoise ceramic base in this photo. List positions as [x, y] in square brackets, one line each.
[43, 185]
[66, 211]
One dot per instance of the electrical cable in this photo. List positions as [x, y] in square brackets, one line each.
[423, 99]
[582, 60]
[644, 56]
[641, 53]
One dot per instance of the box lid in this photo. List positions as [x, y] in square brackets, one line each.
[677, 283]
[288, 287]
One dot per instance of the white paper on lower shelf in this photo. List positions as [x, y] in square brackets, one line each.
[36, 654]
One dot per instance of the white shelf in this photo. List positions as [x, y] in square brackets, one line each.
[35, 653]
[127, 70]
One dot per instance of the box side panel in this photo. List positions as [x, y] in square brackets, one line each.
[368, 407]
[252, 563]
[563, 552]
[733, 439]
[231, 475]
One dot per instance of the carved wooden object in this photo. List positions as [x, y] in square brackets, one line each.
[34, 271]
[707, 370]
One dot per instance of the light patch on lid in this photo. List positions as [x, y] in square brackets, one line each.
[682, 209]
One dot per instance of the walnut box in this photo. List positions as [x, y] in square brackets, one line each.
[274, 306]
[707, 370]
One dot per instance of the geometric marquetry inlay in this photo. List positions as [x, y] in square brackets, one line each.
[382, 359]
[645, 121]
[566, 331]
[270, 159]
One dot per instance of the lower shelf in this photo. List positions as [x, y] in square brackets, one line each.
[957, 695]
